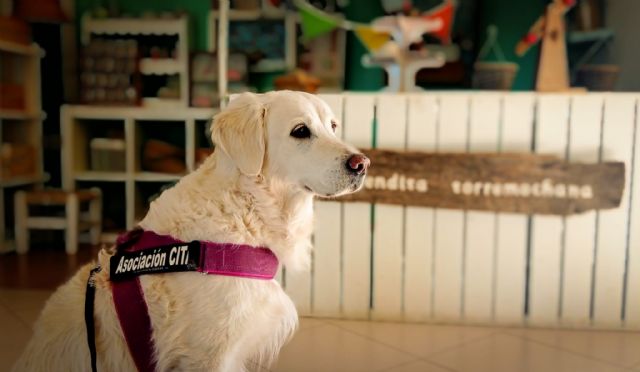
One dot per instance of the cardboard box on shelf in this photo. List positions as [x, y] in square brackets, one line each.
[107, 154]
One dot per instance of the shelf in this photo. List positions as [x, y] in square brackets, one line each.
[269, 65]
[127, 191]
[25, 50]
[101, 176]
[20, 115]
[251, 15]
[22, 126]
[134, 26]
[160, 66]
[122, 176]
[157, 177]
[24, 180]
[589, 36]
[162, 103]
[137, 113]
[205, 81]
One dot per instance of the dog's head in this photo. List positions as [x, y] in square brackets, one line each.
[289, 136]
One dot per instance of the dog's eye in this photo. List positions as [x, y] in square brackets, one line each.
[301, 131]
[333, 126]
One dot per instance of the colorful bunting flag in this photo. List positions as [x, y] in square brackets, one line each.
[372, 39]
[314, 21]
[444, 13]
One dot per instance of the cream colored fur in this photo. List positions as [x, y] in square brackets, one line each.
[257, 188]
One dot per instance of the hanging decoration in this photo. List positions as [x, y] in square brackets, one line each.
[444, 13]
[388, 39]
[370, 38]
[437, 21]
[315, 22]
[406, 30]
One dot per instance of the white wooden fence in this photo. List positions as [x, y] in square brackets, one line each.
[384, 262]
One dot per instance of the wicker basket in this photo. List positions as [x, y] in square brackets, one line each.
[494, 75]
[598, 77]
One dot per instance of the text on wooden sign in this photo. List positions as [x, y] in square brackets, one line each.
[520, 183]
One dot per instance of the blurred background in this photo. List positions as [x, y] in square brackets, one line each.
[105, 103]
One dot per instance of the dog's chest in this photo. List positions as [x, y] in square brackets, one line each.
[210, 314]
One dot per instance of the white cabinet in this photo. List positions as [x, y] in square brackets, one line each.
[133, 27]
[126, 191]
[20, 129]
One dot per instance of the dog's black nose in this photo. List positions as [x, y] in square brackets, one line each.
[358, 164]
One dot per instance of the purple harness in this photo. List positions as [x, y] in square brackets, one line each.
[145, 252]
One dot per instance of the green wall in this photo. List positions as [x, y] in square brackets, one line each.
[513, 19]
[358, 77]
[198, 11]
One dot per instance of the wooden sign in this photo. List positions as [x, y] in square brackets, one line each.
[520, 183]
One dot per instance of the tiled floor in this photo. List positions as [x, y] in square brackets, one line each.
[334, 346]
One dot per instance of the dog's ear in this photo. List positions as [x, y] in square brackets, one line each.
[238, 131]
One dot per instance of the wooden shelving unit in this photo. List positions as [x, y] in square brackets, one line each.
[131, 26]
[32, 50]
[220, 19]
[165, 66]
[79, 125]
[20, 64]
[219, 29]
[127, 27]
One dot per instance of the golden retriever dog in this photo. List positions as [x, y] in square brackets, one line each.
[274, 153]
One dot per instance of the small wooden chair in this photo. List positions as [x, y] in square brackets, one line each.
[73, 222]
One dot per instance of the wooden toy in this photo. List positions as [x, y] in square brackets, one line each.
[549, 30]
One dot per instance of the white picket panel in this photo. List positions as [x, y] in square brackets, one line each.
[617, 142]
[632, 309]
[388, 232]
[418, 259]
[280, 277]
[299, 289]
[327, 243]
[449, 265]
[356, 227]
[480, 235]
[449, 224]
[584, 146]
[547, 231]
[326, 259]
[511, 244]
